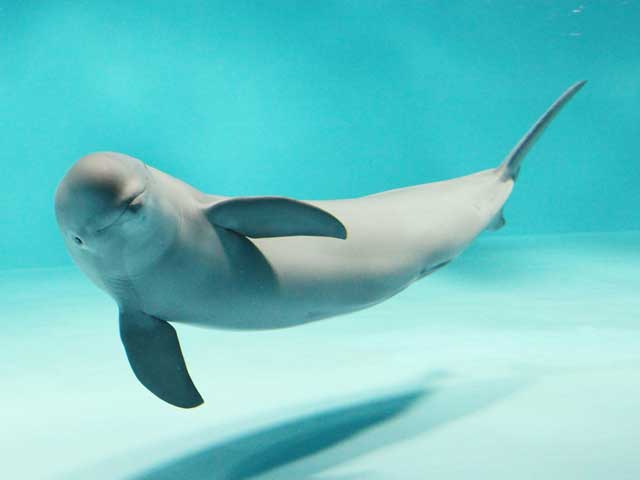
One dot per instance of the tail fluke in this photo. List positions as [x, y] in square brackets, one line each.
[510, 167]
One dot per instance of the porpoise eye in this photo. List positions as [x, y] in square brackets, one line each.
[136, 204]
[77, 240]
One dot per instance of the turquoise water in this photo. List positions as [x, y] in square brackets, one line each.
[321, 100]
[519, 360]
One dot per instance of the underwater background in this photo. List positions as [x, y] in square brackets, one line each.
[519, 360]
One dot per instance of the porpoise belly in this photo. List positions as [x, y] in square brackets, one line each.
[292, 280]
[394, 238]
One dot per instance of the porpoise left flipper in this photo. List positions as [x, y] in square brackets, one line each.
[155, 356]
[261, 217]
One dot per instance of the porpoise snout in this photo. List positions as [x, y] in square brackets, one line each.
[95, 192]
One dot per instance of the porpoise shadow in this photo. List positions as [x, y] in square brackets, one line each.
[306, 445]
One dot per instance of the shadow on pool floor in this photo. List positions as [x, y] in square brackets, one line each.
[399, 416]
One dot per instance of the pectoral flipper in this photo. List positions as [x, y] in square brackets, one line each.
[155, 356]
[261, 217]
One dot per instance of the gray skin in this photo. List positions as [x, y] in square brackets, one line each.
[167, 252]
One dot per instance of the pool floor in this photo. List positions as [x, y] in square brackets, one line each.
[521, 359]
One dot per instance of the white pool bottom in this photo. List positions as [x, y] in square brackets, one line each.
[528, 348]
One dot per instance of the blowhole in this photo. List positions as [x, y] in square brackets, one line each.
[77, 240]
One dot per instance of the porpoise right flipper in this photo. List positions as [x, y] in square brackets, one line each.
[262, 217]
[155, 356]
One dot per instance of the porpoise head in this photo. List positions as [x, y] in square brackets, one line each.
[105, 210]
